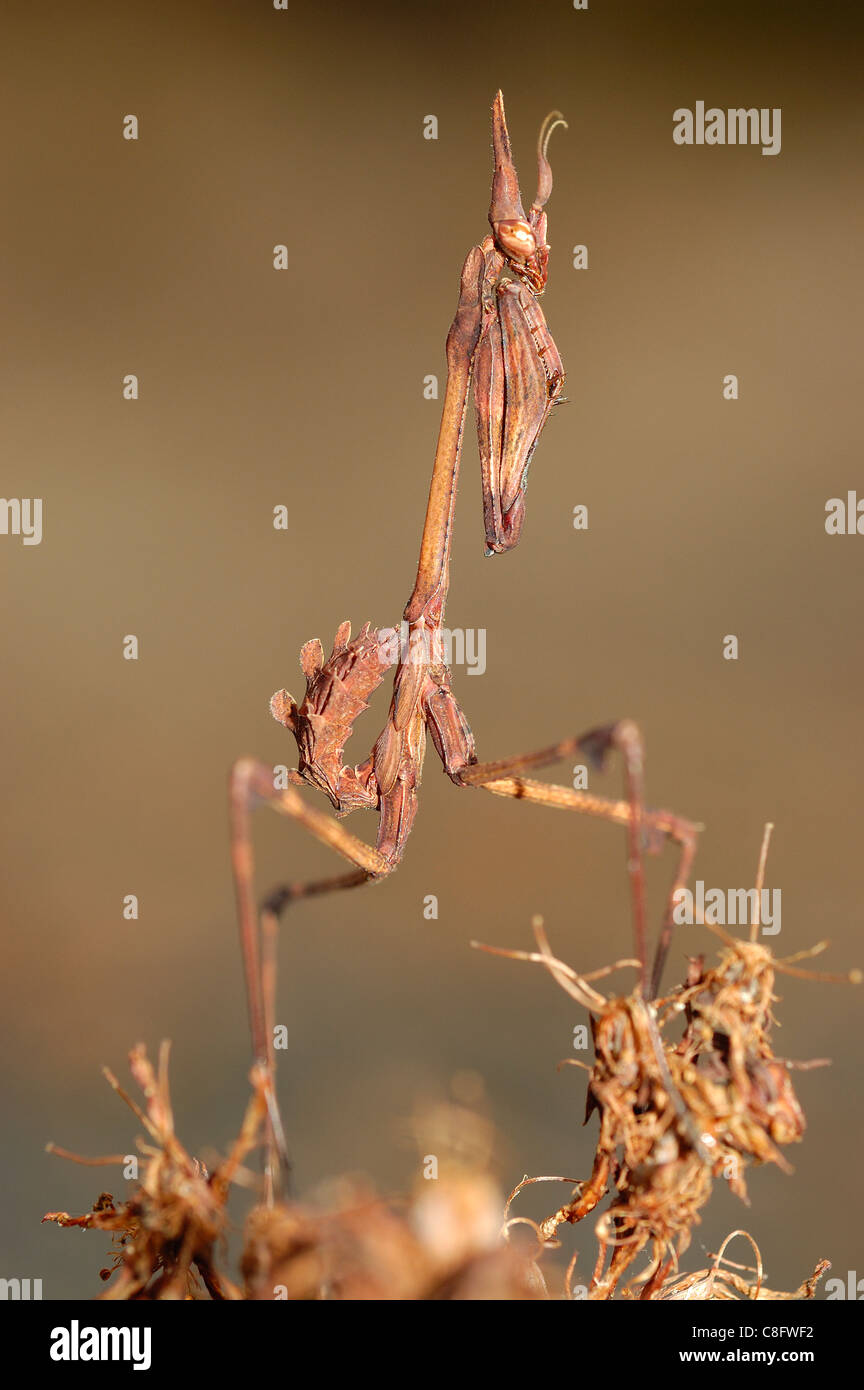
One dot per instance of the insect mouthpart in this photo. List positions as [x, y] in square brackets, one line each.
[516, 239]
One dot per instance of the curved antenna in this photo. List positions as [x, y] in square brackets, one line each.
[544, 171]
[550, 122]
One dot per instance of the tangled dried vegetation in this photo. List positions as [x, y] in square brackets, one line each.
[675, 1114]
[169, 1236]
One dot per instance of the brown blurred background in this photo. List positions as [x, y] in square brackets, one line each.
[305, 388]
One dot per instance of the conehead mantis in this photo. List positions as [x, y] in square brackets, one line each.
[499, 341]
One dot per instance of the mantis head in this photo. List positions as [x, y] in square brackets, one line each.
[521, 240]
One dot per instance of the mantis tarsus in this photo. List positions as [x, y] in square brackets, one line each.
[498, 339]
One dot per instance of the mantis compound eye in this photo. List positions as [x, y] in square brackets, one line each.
[516, 239]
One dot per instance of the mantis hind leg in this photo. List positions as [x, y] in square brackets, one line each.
[648, 827]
